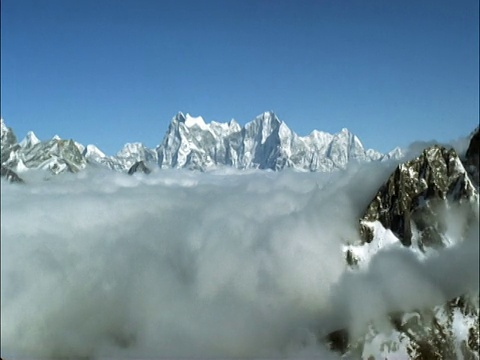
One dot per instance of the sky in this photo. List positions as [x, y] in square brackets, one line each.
[108, 72]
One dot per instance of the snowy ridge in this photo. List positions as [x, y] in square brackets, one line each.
[266, 142]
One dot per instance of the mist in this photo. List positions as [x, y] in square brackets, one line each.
[181, 264]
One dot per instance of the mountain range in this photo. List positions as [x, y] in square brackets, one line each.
[264, 143]
[407, 212]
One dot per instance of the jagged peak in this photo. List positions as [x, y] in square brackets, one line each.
[133, 145]
[29, 140]
[436, 173]
[345, 133]
[56, 137]
[267, 119]
[191, 121]
[268, 116]
[234, 126]
[91, 149]
[396, 153]
[5, 128]
[179, 117]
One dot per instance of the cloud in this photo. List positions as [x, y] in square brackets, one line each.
[398, 280]
[182, 264]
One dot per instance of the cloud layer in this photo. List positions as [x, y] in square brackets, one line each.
[181, 264]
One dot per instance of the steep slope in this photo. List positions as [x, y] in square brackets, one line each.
[8, 144]
[409, 211]
[130, 154]
[55, 155]
[264, 143]
[10, 175]
[415, 192]
[472, 159]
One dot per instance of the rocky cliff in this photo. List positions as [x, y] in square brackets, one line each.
[409, 209]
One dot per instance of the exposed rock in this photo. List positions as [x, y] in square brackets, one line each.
[10, 175]
[472, 157]
[409, 208]
[55, 155]
[448, 331]
[414, 194]
[139, 166]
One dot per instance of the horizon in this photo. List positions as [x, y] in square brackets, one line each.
[107, 73]
[452, 141]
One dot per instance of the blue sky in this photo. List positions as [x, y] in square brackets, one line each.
[109, 72]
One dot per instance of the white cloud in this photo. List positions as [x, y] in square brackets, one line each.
[184, 264]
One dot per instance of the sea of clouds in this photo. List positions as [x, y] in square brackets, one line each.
[182, 264]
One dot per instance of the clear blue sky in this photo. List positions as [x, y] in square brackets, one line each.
[109, 72]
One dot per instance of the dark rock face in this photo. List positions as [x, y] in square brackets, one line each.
[415, 193]
[139, 166]
[411, 203]
[472, 157]
[10, 175]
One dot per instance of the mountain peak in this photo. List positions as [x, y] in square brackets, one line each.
[436, 175]
[29, 140]
[191, 121]
[180, 117]
[93, 151]
[267, 116]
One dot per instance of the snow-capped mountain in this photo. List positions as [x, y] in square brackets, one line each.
[8, 142]
[409, 211]
[130, 154]
[264, 143]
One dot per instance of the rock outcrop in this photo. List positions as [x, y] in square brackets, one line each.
[139, 166]
[410, 209]
[415, 192]
[10, 175]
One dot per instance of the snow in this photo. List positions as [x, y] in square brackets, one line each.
[265, 143]
[382, 239]
[460, 327]
[29, 140]
[191, 121]
[92, 150]
[20, 168]
[392, 346]
[80, 147]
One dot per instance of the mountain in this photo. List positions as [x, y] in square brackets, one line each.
[130, 154]
[139, 166]
[264, 143]
[409, 211]
[10, 175]
[8, 143]
[472, 159]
